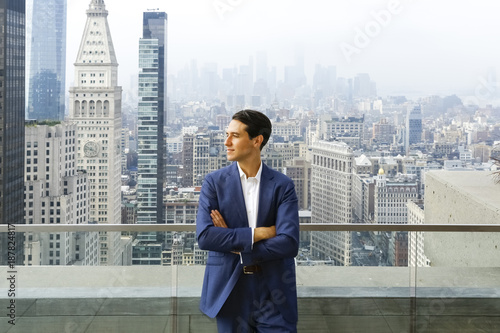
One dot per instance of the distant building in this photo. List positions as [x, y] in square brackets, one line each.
[400, 249]
[362, 165]
[363, 188]
[348, 129]
[12, 110]
[287, 130]
[222, 121]
[391, 198]
[47, 59]
[56, 192]
[174, 145]
[364, 87]
[277, 154]
[383, 132]
[147, 248]
[95, 106]
[129, 212]
[416, 249]
[124, 148]
[444, 148]
[299, 170]
[151, 117]
[413, 127]
[324, 81]
[146, 253]
[331, 202]
[181, 207]
[209, 154]
[390, 206]
[465, 156]
[186, 173]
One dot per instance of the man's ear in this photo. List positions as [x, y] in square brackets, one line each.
[258, 140]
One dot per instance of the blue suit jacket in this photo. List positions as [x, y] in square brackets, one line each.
[278, 206]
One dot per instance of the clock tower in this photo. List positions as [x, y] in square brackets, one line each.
[95, 106]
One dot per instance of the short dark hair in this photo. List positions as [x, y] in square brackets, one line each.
[257, 124]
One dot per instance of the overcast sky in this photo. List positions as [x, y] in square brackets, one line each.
[425, 46]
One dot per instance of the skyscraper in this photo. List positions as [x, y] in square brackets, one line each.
[331, 191]
[151, 117]
[413, 127]
[47, 72]
[95, 105]
[12, 36]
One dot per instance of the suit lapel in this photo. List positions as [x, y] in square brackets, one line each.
[236, 195]
[266, 193]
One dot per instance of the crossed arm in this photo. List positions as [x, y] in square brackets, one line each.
[260, 233]
[269, 243]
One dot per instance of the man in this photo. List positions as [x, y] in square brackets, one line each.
[248, 220]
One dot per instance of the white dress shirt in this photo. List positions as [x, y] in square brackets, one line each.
[251, 187]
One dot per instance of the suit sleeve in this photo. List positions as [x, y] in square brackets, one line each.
[214, 238]
[286, 242]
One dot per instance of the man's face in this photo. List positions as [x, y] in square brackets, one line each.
[239, 145]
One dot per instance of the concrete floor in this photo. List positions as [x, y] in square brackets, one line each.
[150, 315]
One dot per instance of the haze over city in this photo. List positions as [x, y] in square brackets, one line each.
[416, 48]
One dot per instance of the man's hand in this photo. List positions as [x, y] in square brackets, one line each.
[262, 233]
[217, 219]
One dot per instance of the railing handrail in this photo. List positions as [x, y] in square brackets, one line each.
[303, 227]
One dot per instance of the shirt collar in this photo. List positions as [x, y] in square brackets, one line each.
[244, 176]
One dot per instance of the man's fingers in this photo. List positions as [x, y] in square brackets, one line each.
[217, 219]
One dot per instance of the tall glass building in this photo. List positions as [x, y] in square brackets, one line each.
[12, 103]
[47, 52]
[151, 118]
[413, 127]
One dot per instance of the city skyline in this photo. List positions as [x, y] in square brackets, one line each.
[412, 47]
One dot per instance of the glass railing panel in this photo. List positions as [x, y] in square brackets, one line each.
[457, 281]
[62, 288]
[342, 275]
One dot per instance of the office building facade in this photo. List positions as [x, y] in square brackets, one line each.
[299, 170]
[413, 127]
[151, 118]
[12, 105]
[347, 129]
[331, 191]
[47, 58]
[95, 106]
[209, 154]
[56, 192]
[391, 207]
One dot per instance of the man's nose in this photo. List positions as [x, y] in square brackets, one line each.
[227, 142]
